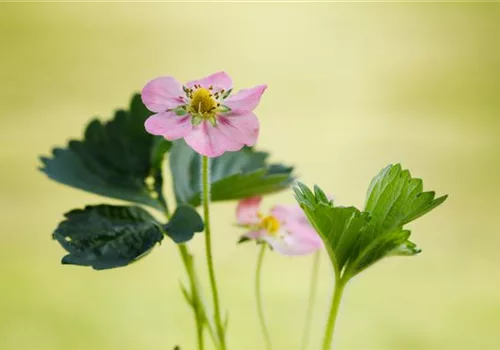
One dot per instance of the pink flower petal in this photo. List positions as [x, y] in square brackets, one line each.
[243, 128]
[169, 125]
[209, 141]
[246, 99]
[219, 81]
[296, 236]
[247, 211]
[161, 94]
[298, 226]
[305, 233]
[289, 244]
[289, 213]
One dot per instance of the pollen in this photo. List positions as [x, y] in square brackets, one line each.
[202, 103]
[271, 224]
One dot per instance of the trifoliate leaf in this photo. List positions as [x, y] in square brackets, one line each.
[117, 159]
[107, 236]
[183, 224]
[355, 240]
[234, 175]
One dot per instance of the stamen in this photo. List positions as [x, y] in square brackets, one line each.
[271, 224]
[203, 103]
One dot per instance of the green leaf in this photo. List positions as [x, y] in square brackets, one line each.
[243, 239]
[107, 236]
[234, 175]
[356, 240]
[117, 159]
[339, 227]
[381, 246]
[183, 224]
[394, 198]
[407, 248]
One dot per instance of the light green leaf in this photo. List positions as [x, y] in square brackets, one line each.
[234, 175]
[381, 245]
[117, 159]
[394, 198]
[356, 240]
[107, 236]
[406, 249]
[339, 227]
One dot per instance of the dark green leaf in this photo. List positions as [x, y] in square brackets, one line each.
[183, 224]
[117, 159]
[107, 236]
[243, 239]
[234, 175]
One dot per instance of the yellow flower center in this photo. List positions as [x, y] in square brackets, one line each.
[270, 224]
[202, 103]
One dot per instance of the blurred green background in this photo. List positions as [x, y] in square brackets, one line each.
[352, 88]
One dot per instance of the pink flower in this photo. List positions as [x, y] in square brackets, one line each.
[286, 229]
[203, 112]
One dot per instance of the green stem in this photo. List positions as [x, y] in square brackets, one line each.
[258, 298]
[208, 247]
[198, 308]
[312, 300]
[197, 303]
[330, 326]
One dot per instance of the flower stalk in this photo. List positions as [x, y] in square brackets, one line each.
[312, 300]
[205, 174]
[258, 297]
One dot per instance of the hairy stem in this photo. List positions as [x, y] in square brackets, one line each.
[208, 247]
[258, 298]
[330, 326]
[312, 299]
